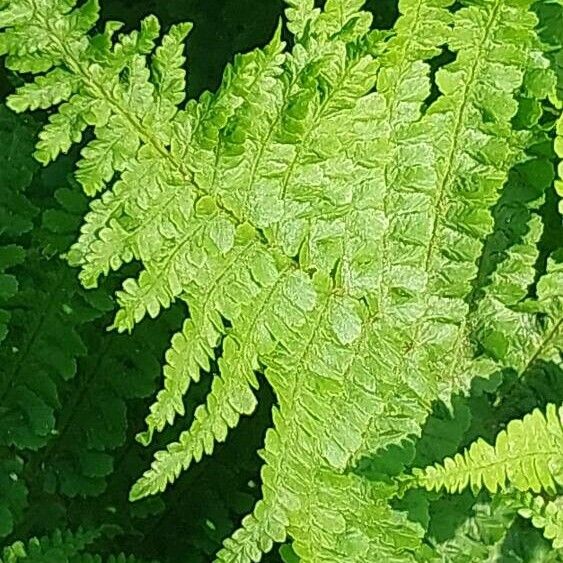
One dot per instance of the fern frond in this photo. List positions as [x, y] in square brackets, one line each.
[447, 244]
[546, 515]
[41, 351]
[231, 392]
[93, 423]
[514, 327]
[36, 366]
[121, 225]
[59, 546]
[375, 202]
[527, 455]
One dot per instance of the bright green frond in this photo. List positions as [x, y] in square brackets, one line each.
[231, 393]
[190, 352]
[546, 515]
[334, 219]
[528, 455]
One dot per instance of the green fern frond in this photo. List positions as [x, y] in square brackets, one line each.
[61, 546]
[514, 327]
[321, 233]
[37, 365]
[527, 455]
[546, 515]
[231, 392]
[40, 352]
[93, 423]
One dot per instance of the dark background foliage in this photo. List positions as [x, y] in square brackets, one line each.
[72, 396]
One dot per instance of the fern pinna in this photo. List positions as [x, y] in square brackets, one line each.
[323, 216]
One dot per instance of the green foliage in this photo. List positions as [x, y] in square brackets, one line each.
[482, 536]
[61, 546]
[364, 220]
[528, 455]
[547, 515]
[16, 212]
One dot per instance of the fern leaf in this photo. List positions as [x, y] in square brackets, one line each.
[383, 195]
[191, 351]
[527, 455]
[40, 353]
[108, 241]
[194, 347]
[231, 393]
[320, 436]
[59, 546]
[93, 422]
[546, 515]
[514, 328]
[423, 297]
[35, 368]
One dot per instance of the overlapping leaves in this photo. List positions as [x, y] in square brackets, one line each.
[322, 215]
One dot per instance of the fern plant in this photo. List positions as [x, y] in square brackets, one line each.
[323, 215]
